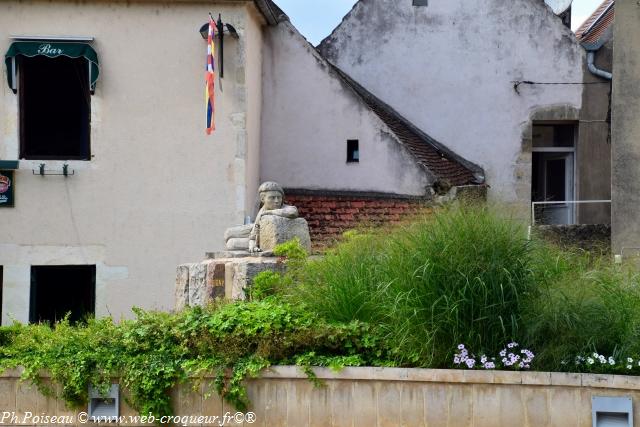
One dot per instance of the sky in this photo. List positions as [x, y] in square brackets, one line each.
[317, 18]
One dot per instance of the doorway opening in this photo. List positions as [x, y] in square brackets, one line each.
[553, 173]
[60, 290]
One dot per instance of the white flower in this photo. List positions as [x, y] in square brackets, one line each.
[596, 355]
[460, 346]
[483, 359]
[503, 353]
[629, 366]
[590, 361]
[611, 361]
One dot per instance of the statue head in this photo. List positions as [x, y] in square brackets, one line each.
[271, 195]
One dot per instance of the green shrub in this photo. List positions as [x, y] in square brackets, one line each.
[265, 284]
[156, 351]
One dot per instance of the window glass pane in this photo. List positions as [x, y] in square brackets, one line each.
[54, 107]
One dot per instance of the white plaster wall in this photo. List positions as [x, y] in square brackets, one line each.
[449, 68]
[158, 192]
[308, 115]
[254, 37]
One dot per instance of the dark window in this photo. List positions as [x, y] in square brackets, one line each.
[553, 135]
[58, 290]
[54, 108]
[421, 2]
[353, 151]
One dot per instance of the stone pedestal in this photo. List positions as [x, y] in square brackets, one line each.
[275, 230]
[220, 277]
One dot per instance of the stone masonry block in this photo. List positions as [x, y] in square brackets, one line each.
[275, 230]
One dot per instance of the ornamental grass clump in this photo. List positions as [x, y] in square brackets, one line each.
[585, 304]
[458, 275]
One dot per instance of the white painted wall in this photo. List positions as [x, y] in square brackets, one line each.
[158, 191]
[449, 68]
[308, 115]
[254, 43]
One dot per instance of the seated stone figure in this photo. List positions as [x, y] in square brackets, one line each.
[281, 222]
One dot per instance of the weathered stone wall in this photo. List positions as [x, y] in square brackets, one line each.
[198, 284]
[405, 55]
[625, 128]
[593, 149]
[382, 397]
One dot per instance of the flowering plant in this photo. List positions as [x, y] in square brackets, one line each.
[510, 358]
[595, 362]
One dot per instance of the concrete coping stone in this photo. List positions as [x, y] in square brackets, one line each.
[451, 376]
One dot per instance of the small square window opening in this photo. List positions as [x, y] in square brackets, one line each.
[421, 2]
[353, 151]
[60, 290]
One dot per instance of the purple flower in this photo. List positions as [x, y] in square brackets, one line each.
[470, 363]
[461, 347]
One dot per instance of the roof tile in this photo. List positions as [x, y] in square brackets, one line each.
[591, 30]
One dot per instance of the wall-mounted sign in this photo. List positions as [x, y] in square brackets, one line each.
[6, 189]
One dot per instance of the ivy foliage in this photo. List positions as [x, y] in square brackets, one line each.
[156, 351]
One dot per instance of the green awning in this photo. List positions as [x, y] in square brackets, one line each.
[51, 50]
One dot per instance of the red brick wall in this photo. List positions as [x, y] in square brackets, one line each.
[329, 216]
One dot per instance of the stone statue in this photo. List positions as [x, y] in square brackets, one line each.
[273, 215]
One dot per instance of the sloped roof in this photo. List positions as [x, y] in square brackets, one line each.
[429, 153]
[590, 33]
[271, 11]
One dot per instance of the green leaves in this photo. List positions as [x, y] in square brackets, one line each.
[156, 351]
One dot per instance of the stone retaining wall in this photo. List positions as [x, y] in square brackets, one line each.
[380, 397]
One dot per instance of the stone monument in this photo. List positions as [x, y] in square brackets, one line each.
[249, 251]
[275, 223]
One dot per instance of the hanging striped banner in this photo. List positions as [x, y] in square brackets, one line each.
[210, 77]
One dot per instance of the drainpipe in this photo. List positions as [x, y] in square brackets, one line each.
[591, 55]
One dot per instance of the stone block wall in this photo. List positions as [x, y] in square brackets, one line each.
[198, 284]
[282, 396]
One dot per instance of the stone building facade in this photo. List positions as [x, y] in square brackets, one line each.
[498, 82]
